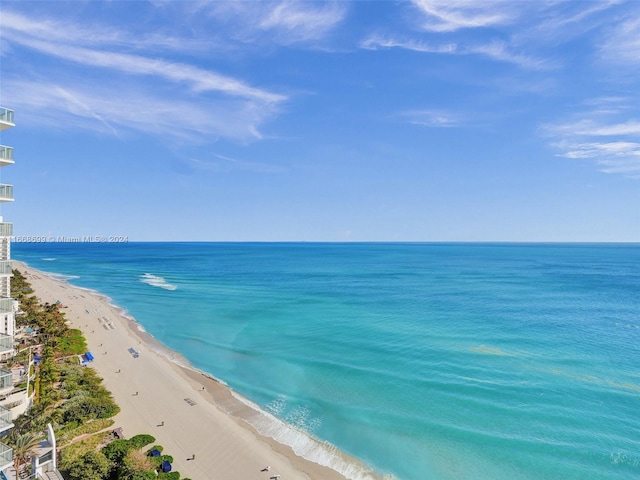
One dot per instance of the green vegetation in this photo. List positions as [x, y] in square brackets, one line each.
[73, 399]
[73, 343]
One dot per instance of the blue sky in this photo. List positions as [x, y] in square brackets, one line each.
[296, 121]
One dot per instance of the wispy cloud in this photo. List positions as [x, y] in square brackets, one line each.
[433, 118]
[376, 42]
[223, 163]
[302, 21]
[175, 99]
[447, 16]
[197, 78]
[623, 44]
[496, 50]
[612, 157]
[15, 25]
[599, 136]
[283, 22]
[114, 109]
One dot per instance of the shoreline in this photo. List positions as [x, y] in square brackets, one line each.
[196, 414]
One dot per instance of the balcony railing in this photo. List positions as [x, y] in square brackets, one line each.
[6, 118]
[6, 306]
[6, 193]
[6, 342]
[6, 154]
[6, 379]
[5, 419]
[6, 456]
[6, 229]
[5, 268]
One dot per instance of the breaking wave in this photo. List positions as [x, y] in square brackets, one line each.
[156, 281]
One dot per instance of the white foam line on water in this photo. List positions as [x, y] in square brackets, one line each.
[305, 445]
[156, 281]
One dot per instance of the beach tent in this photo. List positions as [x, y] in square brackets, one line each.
[89, 357]
[166, 466]
[154, 453]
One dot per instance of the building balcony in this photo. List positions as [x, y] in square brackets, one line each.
[6, 456]
[6, 306]
[5, 268]
[6, 155]
[6, 418]
[6, 381]
[6, 193]
[6, 229]
[6, 346]
[6, 118]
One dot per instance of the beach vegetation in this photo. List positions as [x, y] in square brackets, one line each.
[73, 343]
[19, 285]
[93, 465]
[135, 462]
[72, 399]
[142, 440]
[168, 476]
[155, 447]
[69, 432]
[117, 450]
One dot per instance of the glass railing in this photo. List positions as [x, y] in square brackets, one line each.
[6, 455]
[6, 115]
[6, 192]
[6, 342]
[6, 379]
[6, 153]
[5, 417]
[6, 229]
[6, 306]
[5, 267]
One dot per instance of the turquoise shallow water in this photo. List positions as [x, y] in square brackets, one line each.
[426, 361]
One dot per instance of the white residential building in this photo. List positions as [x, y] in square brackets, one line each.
[7, 304]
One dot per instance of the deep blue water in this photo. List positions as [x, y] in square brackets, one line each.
[425, 361]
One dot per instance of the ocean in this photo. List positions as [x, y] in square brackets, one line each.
[424, 361]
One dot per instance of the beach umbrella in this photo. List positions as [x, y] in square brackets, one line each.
[155, 452]
[166, 466]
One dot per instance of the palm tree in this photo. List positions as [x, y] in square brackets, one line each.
[23, 445]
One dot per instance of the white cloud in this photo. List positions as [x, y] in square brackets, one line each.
[174, 99]
[623, 44]
[612, 157]
[283, 22]
[376, 42]
[111, 110]
[601, 137]
[433, 118]
[497, 51]
[15, 26]
[300, 21]
[448, 16]
[199, 79]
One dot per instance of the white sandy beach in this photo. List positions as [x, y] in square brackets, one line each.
[150, 390]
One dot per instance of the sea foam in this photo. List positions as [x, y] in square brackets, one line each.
[156, 281]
